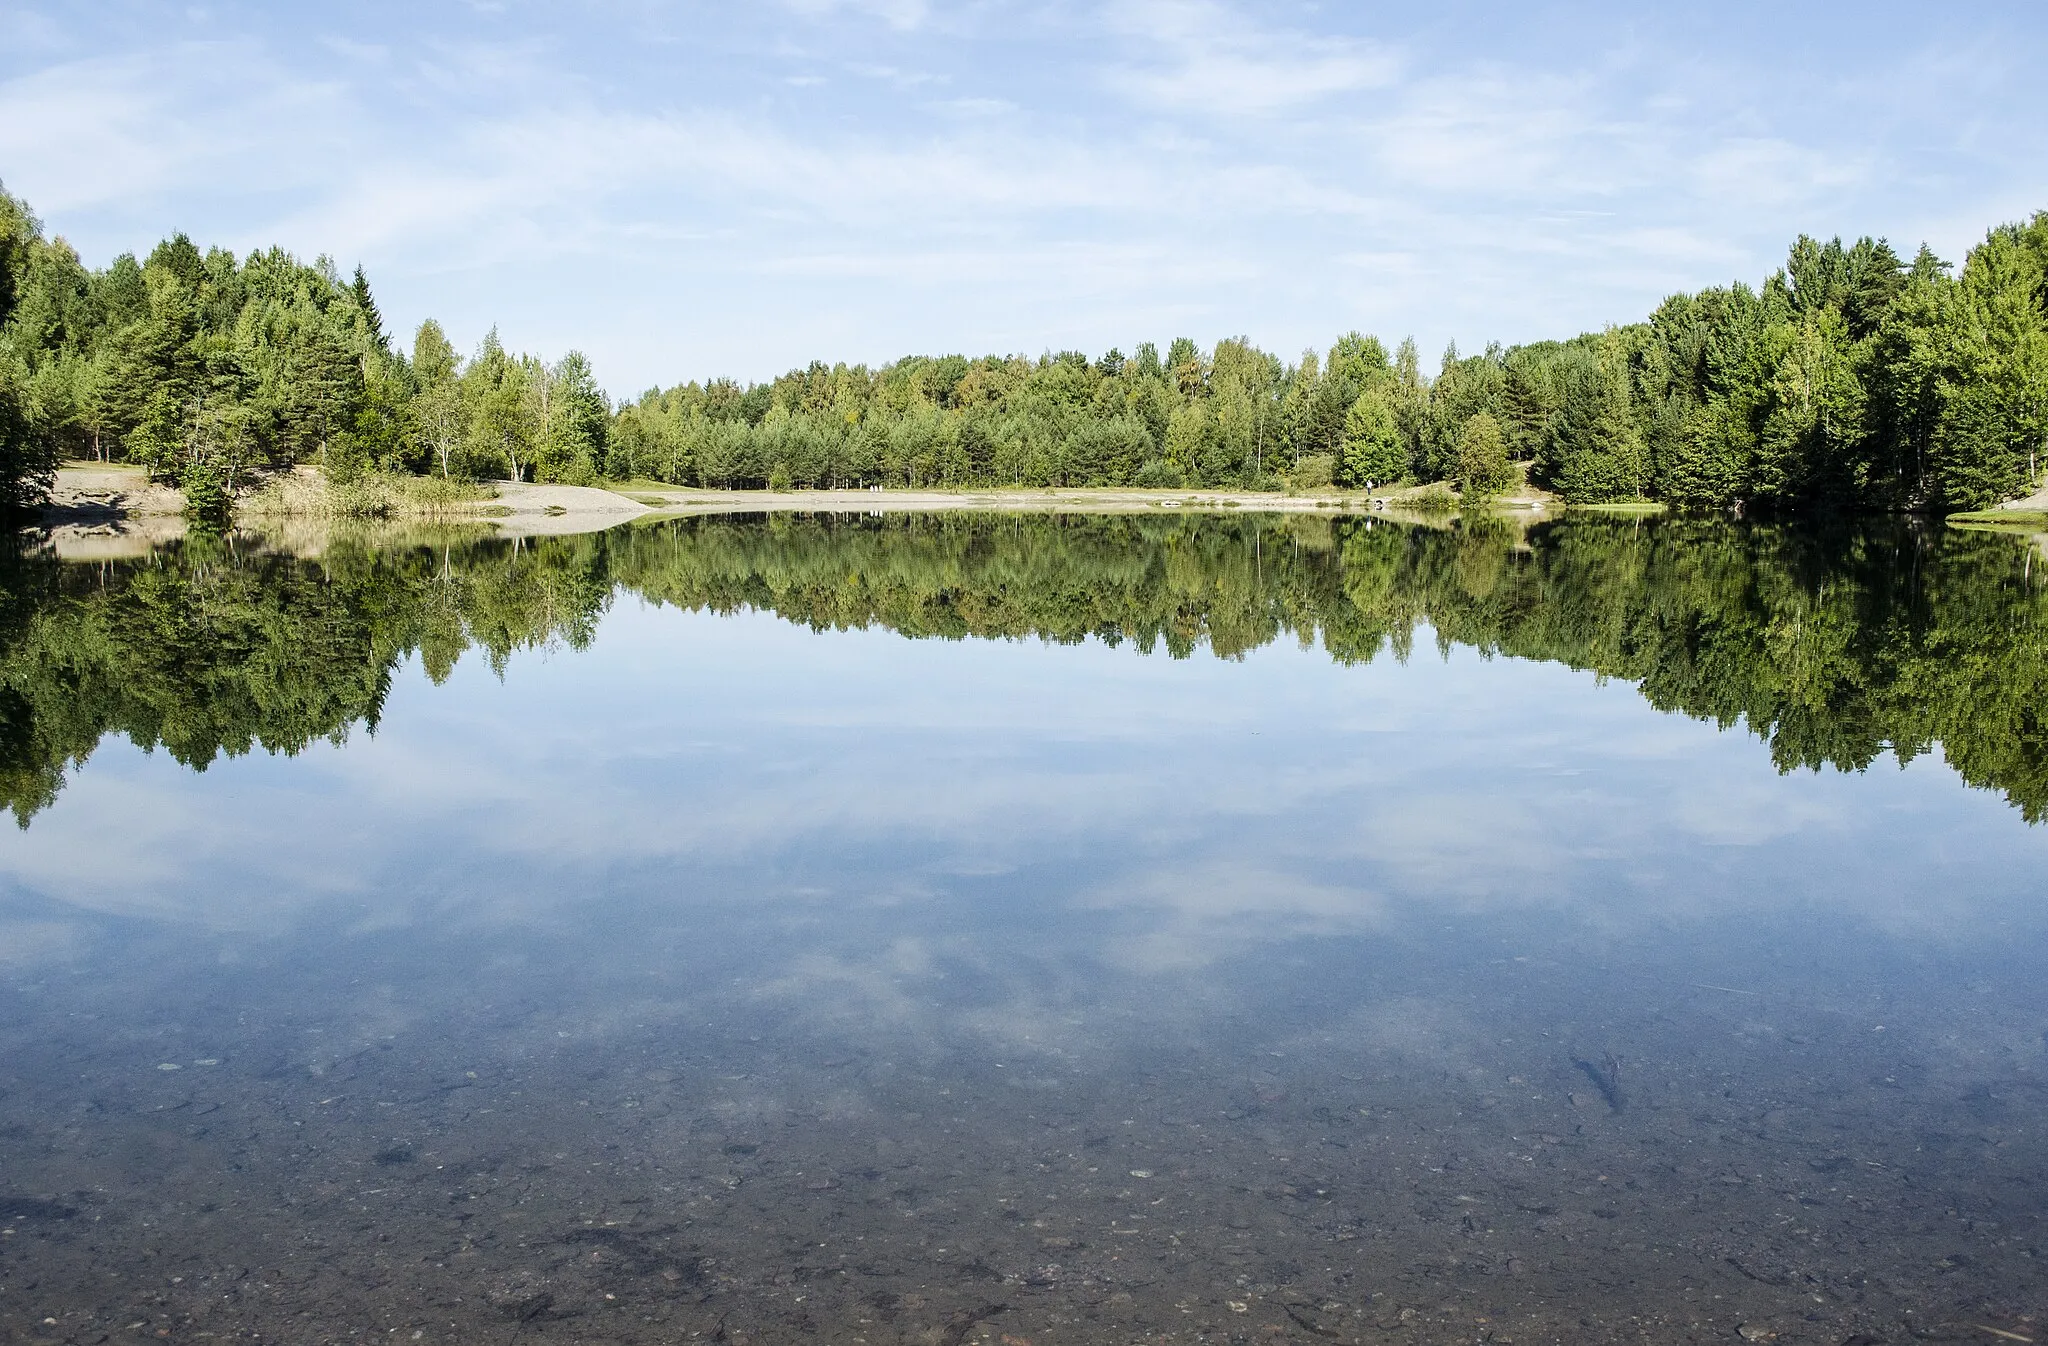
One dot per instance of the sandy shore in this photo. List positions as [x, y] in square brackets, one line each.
[1075, 500]
[106, 511]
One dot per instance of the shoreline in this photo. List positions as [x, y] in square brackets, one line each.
[1057, 500]
[108, 511]
[111, 511]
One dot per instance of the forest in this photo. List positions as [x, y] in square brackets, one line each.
[1851, 378]
[1836, 645]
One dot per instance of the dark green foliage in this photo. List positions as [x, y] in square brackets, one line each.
[1849, 378]
[1595, 450]
[27, 461]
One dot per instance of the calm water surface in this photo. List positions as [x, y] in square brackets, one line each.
[1005, 930]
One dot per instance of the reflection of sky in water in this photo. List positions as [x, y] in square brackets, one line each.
[871, 798]
[774, 951]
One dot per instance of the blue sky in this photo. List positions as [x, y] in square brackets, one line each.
[686, 190]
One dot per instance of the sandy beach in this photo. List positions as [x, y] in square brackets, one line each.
[103, 511]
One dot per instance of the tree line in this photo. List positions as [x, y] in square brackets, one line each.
[1835, 645]
[1849, 378]
[208, 370]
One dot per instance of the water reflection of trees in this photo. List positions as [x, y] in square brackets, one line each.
[1832, 646]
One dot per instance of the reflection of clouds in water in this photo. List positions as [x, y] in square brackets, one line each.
[866, 991]
[1413, 1031]
[135, 832]
[1752, 811]
[1191, 914]
[1485, 847]
[25, 944]
[930, 996]
[1199, 808]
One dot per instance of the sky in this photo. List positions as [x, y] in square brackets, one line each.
[685, 191]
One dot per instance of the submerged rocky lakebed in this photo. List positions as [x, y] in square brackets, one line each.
[957, 929]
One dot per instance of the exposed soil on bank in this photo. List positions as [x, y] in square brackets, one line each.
[1092, 500]
[111, 511]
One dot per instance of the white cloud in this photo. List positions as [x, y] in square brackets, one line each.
[1057, 177]
[1755, 173]
[1204, 57]
[1503, 135]
[121, 130]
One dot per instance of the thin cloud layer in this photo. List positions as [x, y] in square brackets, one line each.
[1212, 61]
[684, 190]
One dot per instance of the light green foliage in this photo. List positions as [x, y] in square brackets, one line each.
[437, 418]
[1483, 466]
[1375, 453]
[500, 412]
[570, 419]
[1464, 388]
[1993, 394]
[1313, 472]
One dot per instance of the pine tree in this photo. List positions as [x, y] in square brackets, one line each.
[366, 308]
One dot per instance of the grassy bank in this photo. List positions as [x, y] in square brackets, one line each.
[372, 496]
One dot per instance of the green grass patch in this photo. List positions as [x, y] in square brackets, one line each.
[2029, 519]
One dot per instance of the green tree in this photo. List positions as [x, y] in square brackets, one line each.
[572, 420]
[500, 414]
[1374, 453]
[1994, 397]
[1596, 450]
[1483, 466]
[438, 415]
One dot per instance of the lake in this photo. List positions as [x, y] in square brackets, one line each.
[976, 928]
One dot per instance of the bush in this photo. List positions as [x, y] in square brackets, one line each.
[1160, 475]
[432, 492]
[471, 463]
[344, 460]
[1435, 498]
[1313, 473]
[206, 494]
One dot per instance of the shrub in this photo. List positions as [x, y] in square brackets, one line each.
[1435, 498]
[1160, 475]
[1313, 472]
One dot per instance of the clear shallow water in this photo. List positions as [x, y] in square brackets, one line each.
[698, 972]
